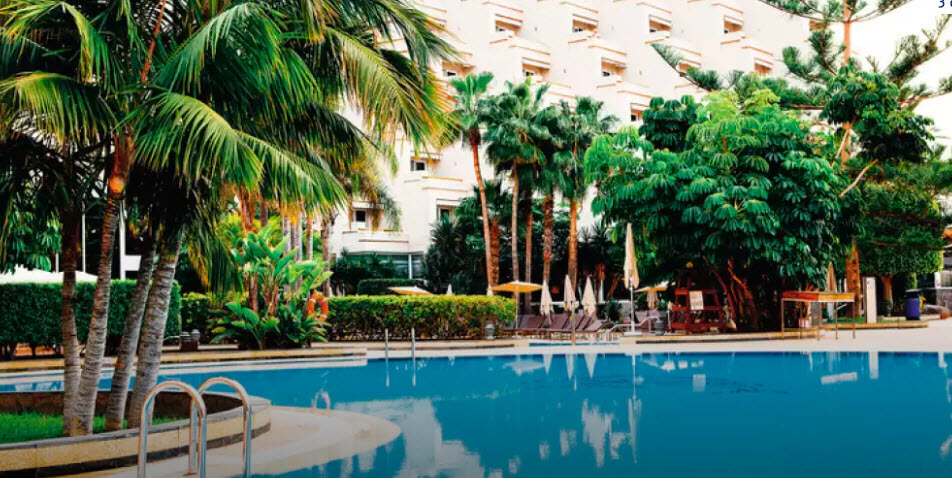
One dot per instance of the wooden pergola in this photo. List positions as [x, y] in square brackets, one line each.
[816, 297]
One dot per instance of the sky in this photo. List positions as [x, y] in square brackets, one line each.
[878, 38]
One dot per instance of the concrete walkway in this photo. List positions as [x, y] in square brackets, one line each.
[299, 438]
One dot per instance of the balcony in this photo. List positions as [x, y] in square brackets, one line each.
[582, 11]
[357, 241]
[440, 183]
[690, 54]
[532, 54]
[637, 96]
[557, 91]
[505, 11]
[659, 16]
[730, 11]
[464, 54]
[761, 59]
[436, 13]
[610, 52]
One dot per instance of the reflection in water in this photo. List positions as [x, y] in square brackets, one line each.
[671, 415]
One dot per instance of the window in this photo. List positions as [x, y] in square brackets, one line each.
[528, 73]
[445, 212]
[606, 73]
[634, 117]
[501, 29]
[762, 70]
[731, 26]
[450, 73]
[360, 216]
[577, 29]
[656, 26]
[417, 165]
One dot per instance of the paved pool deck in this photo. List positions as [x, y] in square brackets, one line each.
[299, 438]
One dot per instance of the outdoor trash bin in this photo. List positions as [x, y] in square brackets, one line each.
[912, 304]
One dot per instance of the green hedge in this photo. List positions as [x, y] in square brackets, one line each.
[456, 316]
[382, 286]
[196, 311]
[31, 312]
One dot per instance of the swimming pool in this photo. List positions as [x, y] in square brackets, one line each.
[665, 415]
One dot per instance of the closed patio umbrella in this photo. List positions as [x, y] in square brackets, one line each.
[631, 261]
[588, 298]
[569, 299]
[570, 303]
[449, 289]
[631, 272]
[545, 304]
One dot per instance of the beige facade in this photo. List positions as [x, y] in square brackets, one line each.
[598, 48]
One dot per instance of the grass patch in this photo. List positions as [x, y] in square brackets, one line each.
[27, 426]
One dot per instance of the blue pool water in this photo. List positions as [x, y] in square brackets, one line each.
[649, 415]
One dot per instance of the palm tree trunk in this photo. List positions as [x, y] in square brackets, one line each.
[573, 242]
[854, 283]
[527, 307]
[514, 232]
[85, 405]
[484, 209]
[153, 326]
[495, 233]
[116, 407]
[326, 249]
[70, 246]
[548, 230]
[309, 237]
[888, 288]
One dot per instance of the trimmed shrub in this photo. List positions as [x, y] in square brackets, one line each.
[198, 312]
[382, 286]
[457, 316]
[31, 312]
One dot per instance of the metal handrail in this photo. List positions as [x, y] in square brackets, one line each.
[246, 416]
[145, 419]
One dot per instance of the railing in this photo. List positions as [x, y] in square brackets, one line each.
[196, 448]
[246, 417]
[198, 424]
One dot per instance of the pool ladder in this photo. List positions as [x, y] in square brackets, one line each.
[198, 424]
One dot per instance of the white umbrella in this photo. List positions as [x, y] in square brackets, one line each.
[588, 298]
[22, 275]
[631, 261]
[545, 304]
[449, 289]
[569, 301]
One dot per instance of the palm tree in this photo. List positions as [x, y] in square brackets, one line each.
[245, 95]
[469, 114]
[577, 128]
[516, 134]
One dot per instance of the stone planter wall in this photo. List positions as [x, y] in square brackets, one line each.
[67, 455]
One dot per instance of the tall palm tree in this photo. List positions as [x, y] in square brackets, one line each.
[469, 114]
[244, 94]
[578, 126]
[516, 135]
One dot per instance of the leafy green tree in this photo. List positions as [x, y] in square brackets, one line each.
[752, 201]
[666, 123]
[901, 233]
